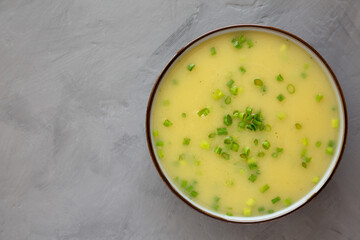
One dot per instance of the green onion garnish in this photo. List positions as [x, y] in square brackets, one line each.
[167, 123]
[270, 211]
[318, 144]
[279, 150]
[252, 178]
[235, 147]
[274, 155]
[194, 193]
[230, 83]
[218, 150]
[261, 154]
[305, 141]
[228, 140]
[229, 214]
[315, 179]
[225, 156]
[203, 112]
[166, 102]
[205, 145]
[190, 67]
[159, 143]
[280, 97]
[266, 144]
[227, 100]
[258, 82]
[298, 126]
[183, 115]
[217, 94]
[279, 78]
[237, 44]
[222, 131]
[160, 153]
[335, 123]
[304, 164]
[303, 75]
[247, 212]
[256, 142]
[242, 69]
[261, 209]
[213, 51]
[236, 113]
[275, 200]
[319, 97]
[290, 88]
[267, 128]
[264, 188]
[329, 150]
[250, 43]
[155, 133]
[234, 90]
[287, 202]
[281, 115]
[250, 202]
[227, 120]
[183, 183]
[186, 141]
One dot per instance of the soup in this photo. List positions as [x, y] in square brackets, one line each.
[245, 123]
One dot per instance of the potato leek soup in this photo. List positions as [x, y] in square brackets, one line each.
[245, 123]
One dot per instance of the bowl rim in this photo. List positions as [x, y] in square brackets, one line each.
[190, 44]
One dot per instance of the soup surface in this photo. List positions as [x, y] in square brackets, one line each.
[245, 123]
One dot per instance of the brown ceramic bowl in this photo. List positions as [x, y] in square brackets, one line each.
[338, 153]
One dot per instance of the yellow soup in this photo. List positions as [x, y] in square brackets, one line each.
[245, 123]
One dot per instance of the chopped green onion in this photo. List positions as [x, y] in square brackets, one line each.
[275, 200]
[203, 112]
[229, 182]
[279, 150]
[222, 131]
[304, 164]
[234, 90]
[298, 126]
[331, 143]
[212, 135]
[213, 51]
[252, 164]
[186, 141]
[217, 94]
[227, 100]
[315, 179]
[247, 212]
[183, 183]
[329, 150]
[252, 178]
[256, 142]
[242, 39]
[270, 211]
[303, 75]
[235, 147]
[308, 159]
[249, 110]
[167, 123]
[160, 153]
[290, 88]
[159, 143]
[266, 144]
[306, 66]
[190, 67]
[280, 97]
[305, 141]
[218, 150]
[246, 151]
[225, 155]
[335, 123]
[237, 44]
[261, 209]
[250, 43]
[287, 202]
[279, 78]
[264, 188]
[258, 82]
[155, 133]
[319, 97]
[250, 202]
[274, 155]
[229, 214]
[267, 128]
[318, 144]
[230, 83]
[205, 145]
[236, 113]
[183, 115]
[227, 120]
[281, 115]
[194, 193]
[261, 154]
[228, 140]
[166, 102]
[242, 124]
[242, 69]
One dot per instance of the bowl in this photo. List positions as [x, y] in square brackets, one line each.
[337, 153]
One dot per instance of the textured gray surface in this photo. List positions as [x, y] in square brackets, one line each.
[75, 77]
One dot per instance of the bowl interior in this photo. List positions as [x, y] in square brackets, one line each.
[342, 126]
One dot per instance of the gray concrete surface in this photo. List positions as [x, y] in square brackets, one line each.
[75, 77]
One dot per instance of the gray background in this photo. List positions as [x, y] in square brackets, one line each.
[75, 77]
